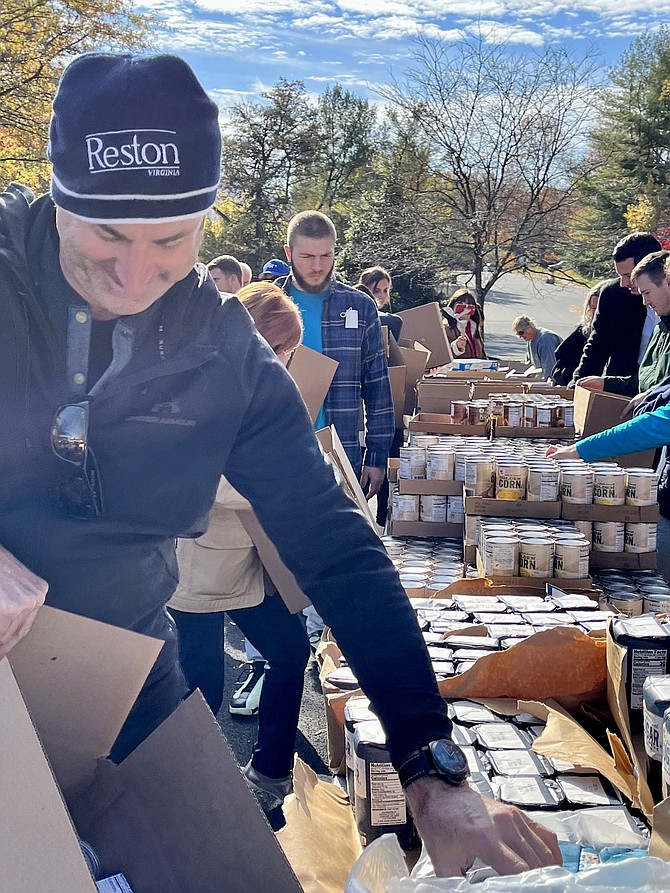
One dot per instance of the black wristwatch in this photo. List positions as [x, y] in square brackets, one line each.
[441, 758]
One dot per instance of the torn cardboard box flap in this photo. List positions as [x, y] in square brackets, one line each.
[176, 815]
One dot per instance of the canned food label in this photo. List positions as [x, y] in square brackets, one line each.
[644, 662]
[653, 734]
[387, 798]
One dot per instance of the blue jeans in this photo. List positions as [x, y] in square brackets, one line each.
[281, 639]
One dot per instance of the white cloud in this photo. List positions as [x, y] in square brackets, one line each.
[501, 32]
[254, 7]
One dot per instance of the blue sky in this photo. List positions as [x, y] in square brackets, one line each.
[240, 47]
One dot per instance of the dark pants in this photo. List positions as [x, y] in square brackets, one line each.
[281, 639]
[161, 694]
[383, 495]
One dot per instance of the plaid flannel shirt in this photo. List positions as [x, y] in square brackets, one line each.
[362, 374]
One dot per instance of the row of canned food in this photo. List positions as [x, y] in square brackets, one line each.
[491, 471]
[635, 592]
[515, 411]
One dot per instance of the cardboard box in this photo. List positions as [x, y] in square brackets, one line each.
[507, 508]
[397, 375]
[284, 580]
[472, 375]
[596, 412]
[313, 373]
[535, 433]
[436, 395]
[539, 387]
[430, 488]
[176, 815]
[483, 390]
[441, 423]
[536, 582]
[628, 561]
[425, 528]
[392, 469]
[426, 325]
[416, 360]
[632, 514]
[332, 447]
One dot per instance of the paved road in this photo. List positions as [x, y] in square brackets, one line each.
[556, 307]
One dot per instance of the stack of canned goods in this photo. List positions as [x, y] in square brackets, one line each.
[515, 411]
[605, 483]
[634, 592]
[425, 563]
[531, 548]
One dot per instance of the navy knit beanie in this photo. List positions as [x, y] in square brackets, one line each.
[133, 139]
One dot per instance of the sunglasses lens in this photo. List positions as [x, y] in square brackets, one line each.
[69, 433]
[78, 496]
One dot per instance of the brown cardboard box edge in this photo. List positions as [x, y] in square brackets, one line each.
[624, 560]
[284, 580]
[425, 528]
[164, 812]
[313, 373]
[599, 411]
[633, 514]
[416, 360]
[430, 487]
[501, 508]
[425, 325]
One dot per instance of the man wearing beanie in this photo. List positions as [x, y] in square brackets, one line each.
[129, 387]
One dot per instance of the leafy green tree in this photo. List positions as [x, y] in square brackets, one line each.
[268, 149]
[37, 38]
[627, 169]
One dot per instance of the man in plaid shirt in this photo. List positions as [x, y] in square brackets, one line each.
[342, 323]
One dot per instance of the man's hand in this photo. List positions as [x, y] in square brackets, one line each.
[458, 825]
[566, 452]
[592, 383]
[372, 478]
[631, 406]
[22, 593]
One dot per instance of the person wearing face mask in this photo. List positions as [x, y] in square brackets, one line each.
[464, 318]
[221, 571]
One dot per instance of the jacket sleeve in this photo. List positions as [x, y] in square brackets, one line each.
[597, 349]
[546, 352]
[376, 393]
[644, 432]
[338, 560]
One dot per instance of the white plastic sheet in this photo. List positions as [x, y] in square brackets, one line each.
[382, 869]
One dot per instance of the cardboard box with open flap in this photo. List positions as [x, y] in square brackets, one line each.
[175, 816]
[283, 579]
[313, 372]
[597, 411]
[426, 325]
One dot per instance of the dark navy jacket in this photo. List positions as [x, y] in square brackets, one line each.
[201, 395]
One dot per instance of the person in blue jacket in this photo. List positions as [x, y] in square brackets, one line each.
[128, 387]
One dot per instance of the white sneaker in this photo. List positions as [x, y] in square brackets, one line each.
[247, 695]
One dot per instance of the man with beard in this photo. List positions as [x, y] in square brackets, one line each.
[341, 322]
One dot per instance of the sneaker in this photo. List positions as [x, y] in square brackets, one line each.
[276, 789]
[247, 695]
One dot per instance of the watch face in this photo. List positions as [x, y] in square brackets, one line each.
[449, 759]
